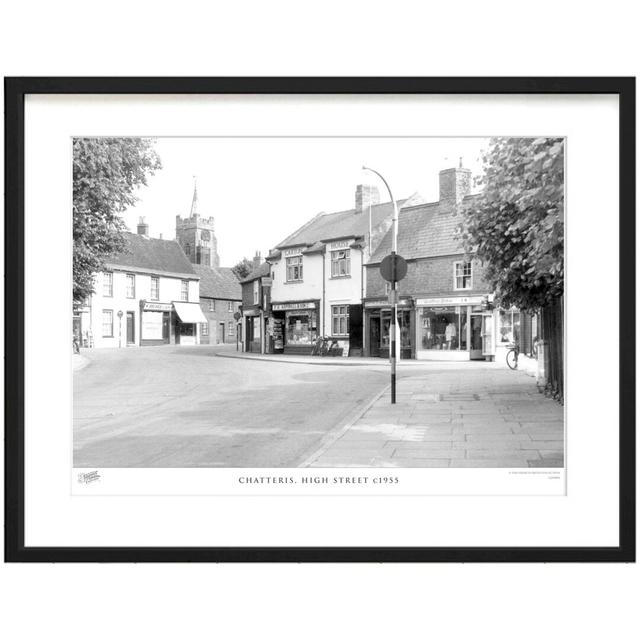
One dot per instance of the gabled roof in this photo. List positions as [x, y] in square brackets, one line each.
[342, 224]
[424, 231]
[263, 270]
[218, 282]
[151, 254]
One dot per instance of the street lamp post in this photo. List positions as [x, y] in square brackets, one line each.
[394, 297]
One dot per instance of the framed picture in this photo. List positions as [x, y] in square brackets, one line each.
[320, 319]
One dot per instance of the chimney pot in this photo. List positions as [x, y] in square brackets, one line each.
[143, 227]
[455, 184]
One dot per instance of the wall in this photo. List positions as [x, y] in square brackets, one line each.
[170, 290]
[341, 290]
[427, 276]
[310, 288]
[220, 314]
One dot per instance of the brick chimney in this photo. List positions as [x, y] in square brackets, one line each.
[455, 184]
[257, 260]
[143, 228]
[366, 195]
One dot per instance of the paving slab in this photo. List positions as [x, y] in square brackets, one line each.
[455, 418]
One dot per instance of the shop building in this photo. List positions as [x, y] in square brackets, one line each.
[220, 297]
[317, 275]
[147, 295]
[445, 309]
[260, 334]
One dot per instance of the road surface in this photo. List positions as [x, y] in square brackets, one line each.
[184, 407]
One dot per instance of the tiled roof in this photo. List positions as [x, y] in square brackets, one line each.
[152, 254]
[342, 224]
[424, 231]
[218, 282]
[263, 270]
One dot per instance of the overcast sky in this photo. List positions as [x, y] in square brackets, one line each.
[260, 190]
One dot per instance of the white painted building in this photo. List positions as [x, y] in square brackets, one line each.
[147, 295]
[317, 276]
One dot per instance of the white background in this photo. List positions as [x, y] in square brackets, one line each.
[587, 516]
[319, 601]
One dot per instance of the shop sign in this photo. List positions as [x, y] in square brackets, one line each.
[293, 252]
[290, 306]
[341, 244]
[376, 304]
[440, 302]
[266, 282]
[157, 306]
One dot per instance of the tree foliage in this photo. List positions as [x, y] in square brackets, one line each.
[106, 173]
[243, 268]
[515, 226]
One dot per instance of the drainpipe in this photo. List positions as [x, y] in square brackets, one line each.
[324, 258]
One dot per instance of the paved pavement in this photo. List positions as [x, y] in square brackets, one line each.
[489, 417]
[188, 407]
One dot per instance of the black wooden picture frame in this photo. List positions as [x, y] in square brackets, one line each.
[15, 91]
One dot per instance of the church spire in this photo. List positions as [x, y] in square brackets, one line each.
[194, 202]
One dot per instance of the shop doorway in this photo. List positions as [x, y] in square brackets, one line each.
[166, 327]
[131, 336]
[380, 335]
[221, 333]
[374, 336]
[476, 337]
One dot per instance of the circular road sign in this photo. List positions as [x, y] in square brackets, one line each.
[393, 267]
[237, 315]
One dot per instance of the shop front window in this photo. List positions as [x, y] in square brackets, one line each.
[509, 326]
[301, 328]
[443, 328]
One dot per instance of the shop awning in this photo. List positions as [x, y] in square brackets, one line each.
[189, 312]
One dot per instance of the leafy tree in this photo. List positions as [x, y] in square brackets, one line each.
[106, 173]
[243, 268]
[515, 226]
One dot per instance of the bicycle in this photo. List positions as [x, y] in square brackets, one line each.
[512, 357]
[323, 348]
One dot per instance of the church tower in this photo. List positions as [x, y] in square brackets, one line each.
[196, 236]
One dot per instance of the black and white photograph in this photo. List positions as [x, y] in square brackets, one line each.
[361, 319]
[384, 302]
